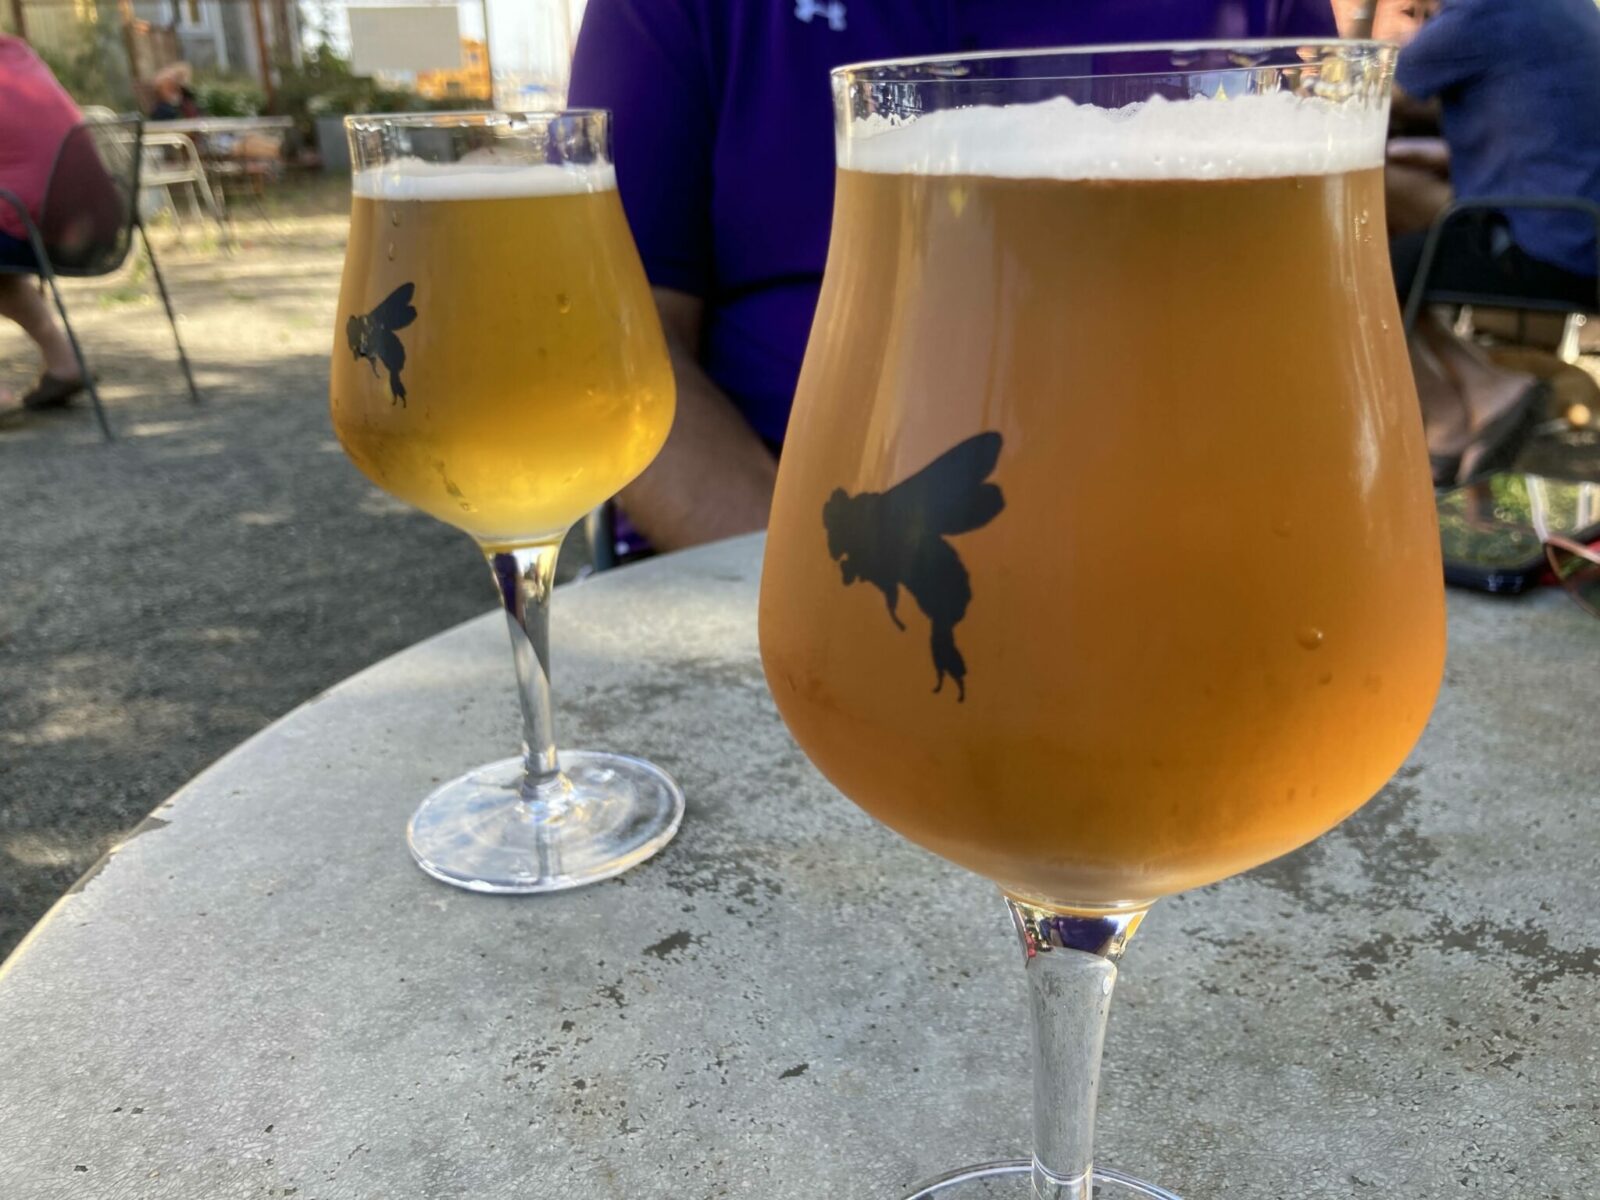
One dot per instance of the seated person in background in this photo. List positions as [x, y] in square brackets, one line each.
[174, 98]
[1518, 84]
[35, 115]
[724, 137]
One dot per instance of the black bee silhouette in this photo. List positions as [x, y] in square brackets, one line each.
[897, 538]
[373, 338]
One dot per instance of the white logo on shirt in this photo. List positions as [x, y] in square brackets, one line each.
[832, 9]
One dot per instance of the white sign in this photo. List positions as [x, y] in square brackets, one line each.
[405, 38]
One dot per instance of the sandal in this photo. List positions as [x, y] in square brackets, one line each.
[52, 392]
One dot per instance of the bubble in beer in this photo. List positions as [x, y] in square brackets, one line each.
[391, 251]
[1310, 637]
[394, 216]
[1283, 527]
[563, 303]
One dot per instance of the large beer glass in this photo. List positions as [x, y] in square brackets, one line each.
[498, 363]
[1103, 560]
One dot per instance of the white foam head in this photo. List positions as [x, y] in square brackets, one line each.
[479, 179]
[1258, 136]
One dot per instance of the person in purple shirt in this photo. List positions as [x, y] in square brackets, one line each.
[723, 133]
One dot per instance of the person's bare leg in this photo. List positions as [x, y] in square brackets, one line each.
[1462, 392]
[1445, 416]
[21, 302]
[1485, 388]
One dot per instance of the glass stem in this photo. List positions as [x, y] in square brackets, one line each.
[524, 577]
[1071, 964]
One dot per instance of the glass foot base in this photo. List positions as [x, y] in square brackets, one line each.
[1013, 1180]
[604, 814]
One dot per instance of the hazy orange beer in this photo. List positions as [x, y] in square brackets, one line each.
[498, 363]
[1207, 623]
[539, 383]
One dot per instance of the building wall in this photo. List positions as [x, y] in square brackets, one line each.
[219, 35]
[238, 38]
[471, 80]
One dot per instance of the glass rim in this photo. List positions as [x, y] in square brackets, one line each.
[466, 118]
[1357, 49]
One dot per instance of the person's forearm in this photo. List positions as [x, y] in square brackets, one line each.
[1410, 117]
[714, 477]
[1414, 197]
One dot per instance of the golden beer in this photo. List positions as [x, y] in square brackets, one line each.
[498, 363]
[535, 382]
[1207, 623]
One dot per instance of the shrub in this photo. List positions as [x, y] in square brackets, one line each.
[229, 96]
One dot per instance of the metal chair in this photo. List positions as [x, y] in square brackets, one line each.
[168, 160]
[600, 536]
[171, 160]
[1423, 292]
[249, 160]
[86, 225]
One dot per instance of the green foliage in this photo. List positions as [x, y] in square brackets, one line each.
[93, 68]
[322, 84]
[134, 285]
[229, 96]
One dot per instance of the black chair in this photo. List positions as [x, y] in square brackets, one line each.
[85, 227]
[600, 536]
[1423, 291]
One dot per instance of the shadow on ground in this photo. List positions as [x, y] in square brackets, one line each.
[166, 596]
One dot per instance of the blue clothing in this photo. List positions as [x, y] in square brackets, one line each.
[1519, 83]
[17, 254]
[724, 135]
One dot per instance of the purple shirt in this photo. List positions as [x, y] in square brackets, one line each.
[724, 135]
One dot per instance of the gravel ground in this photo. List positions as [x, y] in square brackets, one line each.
[164, 597]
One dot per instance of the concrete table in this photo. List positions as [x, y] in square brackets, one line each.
[260, 996]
